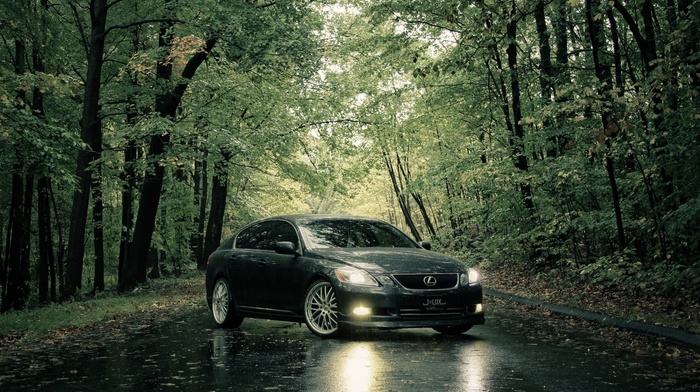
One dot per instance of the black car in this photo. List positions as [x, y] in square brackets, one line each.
[337, 273]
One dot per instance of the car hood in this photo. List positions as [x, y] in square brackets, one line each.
[392, 260]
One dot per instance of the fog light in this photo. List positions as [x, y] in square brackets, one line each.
[479, 308]
[361, 311]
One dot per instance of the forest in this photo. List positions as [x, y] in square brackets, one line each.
[549, 135]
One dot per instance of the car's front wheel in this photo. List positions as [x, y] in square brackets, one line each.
[321, 310]
[453, 329]
[222, 307]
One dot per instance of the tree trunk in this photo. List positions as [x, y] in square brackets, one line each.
[547, 74]
[46, 249]
[602, 71]
[401, 197]
[134, 271]
[56, 269]
[98, 226]
[517, 143]
[129, 179]
[46, 252]
[91, 135]
[201, 197]
[405, 173]
[15, 289]
[219, 190]
[16, 277]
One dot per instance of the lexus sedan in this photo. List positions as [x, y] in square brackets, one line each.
[339, 273]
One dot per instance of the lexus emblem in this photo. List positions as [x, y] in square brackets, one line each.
[430, 281]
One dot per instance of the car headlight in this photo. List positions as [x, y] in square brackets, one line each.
[474, 276]
[471, 277]
[355, 276]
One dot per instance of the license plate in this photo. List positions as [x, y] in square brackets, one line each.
[434, 303]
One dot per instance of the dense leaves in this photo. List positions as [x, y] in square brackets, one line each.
[556, 136]
[536, 145]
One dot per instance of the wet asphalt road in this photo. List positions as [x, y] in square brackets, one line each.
[510, 353]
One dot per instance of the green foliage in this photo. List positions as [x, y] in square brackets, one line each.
[465, 143]
[299, 104]
[31, 325]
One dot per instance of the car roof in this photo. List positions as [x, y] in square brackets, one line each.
[300, 218]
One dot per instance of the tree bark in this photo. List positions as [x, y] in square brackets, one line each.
[401, 197]
[201, 197]
[129, 178]
[405, 173]
[91, 135]
[98, 226]
[16, 277]
[46, 255]
[136, 264]
[602, 71]
[219, 190]
[517, 143]
[46, 278]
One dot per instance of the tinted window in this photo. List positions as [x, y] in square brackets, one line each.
[285, 232]
[256, 236]
[354, 233]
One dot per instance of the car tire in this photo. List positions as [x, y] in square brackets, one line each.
[222, 307]
[321, 310]
[453, 329]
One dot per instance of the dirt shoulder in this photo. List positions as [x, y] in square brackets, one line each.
[681, 312]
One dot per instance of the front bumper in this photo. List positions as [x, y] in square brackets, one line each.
[400, 308]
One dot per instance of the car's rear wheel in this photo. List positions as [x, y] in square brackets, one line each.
[321, 310]
[453, 329]
[222, 307]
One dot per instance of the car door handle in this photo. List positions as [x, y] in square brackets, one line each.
[262, 263]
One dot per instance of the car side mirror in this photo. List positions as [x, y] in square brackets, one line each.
[286, 248]
[425, 245]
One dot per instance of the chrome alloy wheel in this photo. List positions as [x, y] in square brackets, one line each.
[222, 305]
[220, 301]
[321, 309]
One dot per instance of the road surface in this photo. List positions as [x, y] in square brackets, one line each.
[513, 351]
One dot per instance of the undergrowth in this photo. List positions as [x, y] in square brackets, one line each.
[23, 326]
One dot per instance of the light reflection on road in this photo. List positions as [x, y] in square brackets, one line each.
[359, 364]
[473, 371]
[396, 361]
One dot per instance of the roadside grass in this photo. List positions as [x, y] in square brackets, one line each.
[54, 320]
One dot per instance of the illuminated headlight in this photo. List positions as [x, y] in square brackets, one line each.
[474, 276]
[471, 277]
[355, 276]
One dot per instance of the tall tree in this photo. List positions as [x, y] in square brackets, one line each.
[91, 135]
[15, 282]
[134, 269]
[609, 126]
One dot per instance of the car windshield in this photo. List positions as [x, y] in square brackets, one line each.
[353, 233]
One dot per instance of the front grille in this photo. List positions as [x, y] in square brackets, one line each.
[421, 313]
[425, 281]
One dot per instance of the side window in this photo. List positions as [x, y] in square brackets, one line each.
[256, 237]
[285, 232]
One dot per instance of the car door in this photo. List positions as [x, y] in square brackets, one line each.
[285, 273]
[253, 247]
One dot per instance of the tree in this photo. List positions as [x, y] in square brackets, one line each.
[135, 266]
[91, 135]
